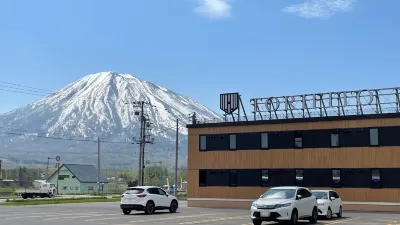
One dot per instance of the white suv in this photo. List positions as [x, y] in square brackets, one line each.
[285, 204]
[147, 199]
[329, 203]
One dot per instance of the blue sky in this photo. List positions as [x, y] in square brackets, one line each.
[201, 48]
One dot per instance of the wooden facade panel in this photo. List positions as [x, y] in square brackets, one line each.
[247, 204]
[366, 157]
[298, 126]
[347, 194]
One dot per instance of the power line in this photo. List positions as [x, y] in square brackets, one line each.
[25, 86]
[158, 144]
[1, 89]
[24, 89]
[64, 139]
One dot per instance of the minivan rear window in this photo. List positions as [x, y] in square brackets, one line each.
[134, 191]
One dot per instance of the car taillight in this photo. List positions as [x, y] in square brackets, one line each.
[141, 196]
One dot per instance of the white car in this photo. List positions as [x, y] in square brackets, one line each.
[147, 199]
[285, 204]
[329, 203]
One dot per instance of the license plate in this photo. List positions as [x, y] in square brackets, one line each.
[264, 214]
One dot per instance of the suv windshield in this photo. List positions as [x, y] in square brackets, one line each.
[320, 194]
[134, 191]
[279, 194]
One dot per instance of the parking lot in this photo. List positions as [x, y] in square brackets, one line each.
[110, 214]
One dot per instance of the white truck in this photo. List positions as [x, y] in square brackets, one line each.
[41, 189]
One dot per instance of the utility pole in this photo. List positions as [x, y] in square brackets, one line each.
[1, 172]
[58, 174]
[141, 153]
[47, 170]
[98, 163]
[142, 142]
[176, 158]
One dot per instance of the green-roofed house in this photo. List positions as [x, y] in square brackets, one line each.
[78, 179]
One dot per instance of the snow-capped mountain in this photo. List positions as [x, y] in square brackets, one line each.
[99, 105]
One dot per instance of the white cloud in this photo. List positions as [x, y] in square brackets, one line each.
[214, 9]
[320, 8]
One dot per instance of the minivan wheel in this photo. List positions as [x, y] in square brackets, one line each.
[314, 216]
[257, 222]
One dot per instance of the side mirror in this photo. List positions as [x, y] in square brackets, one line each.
[261, 196]
[333, 198]
[298, 197]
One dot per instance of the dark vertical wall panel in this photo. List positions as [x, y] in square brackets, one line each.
[317, 177]
[358, 137]
[281, 140]
[218, 142]
[389, 136]
[282, 177]
[218, 178]
[316, 139]
[248, 141]
[251, 178]
[355, 178]
[390, 178]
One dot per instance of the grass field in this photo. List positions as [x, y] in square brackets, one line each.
[59, 201]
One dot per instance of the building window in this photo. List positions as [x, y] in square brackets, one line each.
[73, 177]
[336, 178]
[264, 140]
[76, 188]
[202, 177]
[373, 137]
[90, 188]
[299, 177]
[233, 178]
[335, 138]
[62, 177]
[298, 140]
[232, 141]
[375, 178]
[203, 143]
[264, 178]
[65, 188]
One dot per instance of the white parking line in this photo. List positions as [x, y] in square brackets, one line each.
[19, 214]
[215, 220]
[158, 219]
[83, 216]
[49, 214]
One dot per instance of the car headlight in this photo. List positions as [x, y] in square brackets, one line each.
[282, 205]
[254, 204]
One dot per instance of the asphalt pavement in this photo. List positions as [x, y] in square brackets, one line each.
[110, 214]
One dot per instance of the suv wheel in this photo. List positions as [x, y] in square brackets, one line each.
[329, 214]
[149, 208]
[126, 211]
[294, 218]
[340, 212]
[173, 207]
[314, 216]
